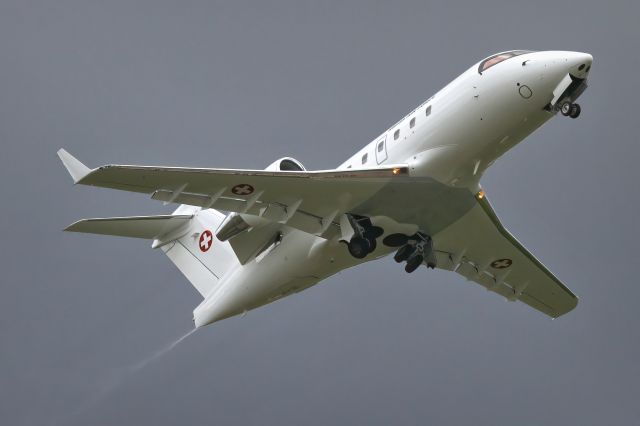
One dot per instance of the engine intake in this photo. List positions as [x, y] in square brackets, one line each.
[286, 164]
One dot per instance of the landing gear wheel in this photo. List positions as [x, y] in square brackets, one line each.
[413, 263]
[359, 247]
[395, 240]
[575, 111]
[565, 108]
[372, 245]
[403, 253]
[373, 232]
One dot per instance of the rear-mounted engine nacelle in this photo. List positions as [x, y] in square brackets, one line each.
[287, 164]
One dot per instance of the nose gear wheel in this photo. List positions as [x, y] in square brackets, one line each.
[569, 109]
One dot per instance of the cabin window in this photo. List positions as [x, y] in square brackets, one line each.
[349, 166]
[380, 146]
[412, 123]
[364, 158]
[427, 111]
[396, 134]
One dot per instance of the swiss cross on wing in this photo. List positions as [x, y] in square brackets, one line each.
[501, 263]
[206, 240]
[242, 189]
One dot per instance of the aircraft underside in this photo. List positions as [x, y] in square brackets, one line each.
[245, 238]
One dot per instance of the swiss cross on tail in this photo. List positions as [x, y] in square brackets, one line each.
[206, 240]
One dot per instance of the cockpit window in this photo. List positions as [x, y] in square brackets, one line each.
[496, 59]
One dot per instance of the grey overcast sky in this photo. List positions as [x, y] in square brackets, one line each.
[239, 84]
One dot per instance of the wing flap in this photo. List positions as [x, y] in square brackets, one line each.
[298, 218]
[248, 245]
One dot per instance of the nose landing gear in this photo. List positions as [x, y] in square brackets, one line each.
[569, 109]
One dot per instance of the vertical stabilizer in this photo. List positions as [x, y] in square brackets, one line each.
[199, 255]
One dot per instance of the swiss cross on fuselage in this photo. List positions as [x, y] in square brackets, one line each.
[206, 240]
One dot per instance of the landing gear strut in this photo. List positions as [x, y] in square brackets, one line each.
[364, 237]
[569, 109]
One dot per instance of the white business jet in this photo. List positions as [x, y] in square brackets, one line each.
[413, 191]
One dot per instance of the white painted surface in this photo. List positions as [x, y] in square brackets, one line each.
[471, 123]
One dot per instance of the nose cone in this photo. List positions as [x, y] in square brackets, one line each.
[579, 64]
[546, 70]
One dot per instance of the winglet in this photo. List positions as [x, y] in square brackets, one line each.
[76, 169]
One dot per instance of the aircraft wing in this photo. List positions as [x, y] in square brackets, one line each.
[311, 201]
[476, 245]
[479, 248]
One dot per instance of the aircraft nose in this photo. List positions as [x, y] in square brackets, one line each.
[579, 63]
[550, 68]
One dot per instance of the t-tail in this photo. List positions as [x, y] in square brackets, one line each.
[187, 236]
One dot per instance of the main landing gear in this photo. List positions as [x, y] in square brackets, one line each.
[364, 237]
[415, 250]
[569, 109]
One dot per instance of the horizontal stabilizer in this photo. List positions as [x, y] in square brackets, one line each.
[147, 227]
[76, 169]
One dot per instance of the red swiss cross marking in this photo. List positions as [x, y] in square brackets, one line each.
[206, 240]
[242, 189]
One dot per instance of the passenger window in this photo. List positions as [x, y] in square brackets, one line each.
[396, 134]
[380, 146]
[364, 158]
[412, 123]
[427, 112]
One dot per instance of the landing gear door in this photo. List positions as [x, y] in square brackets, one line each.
[560, 89]
[381, 150]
